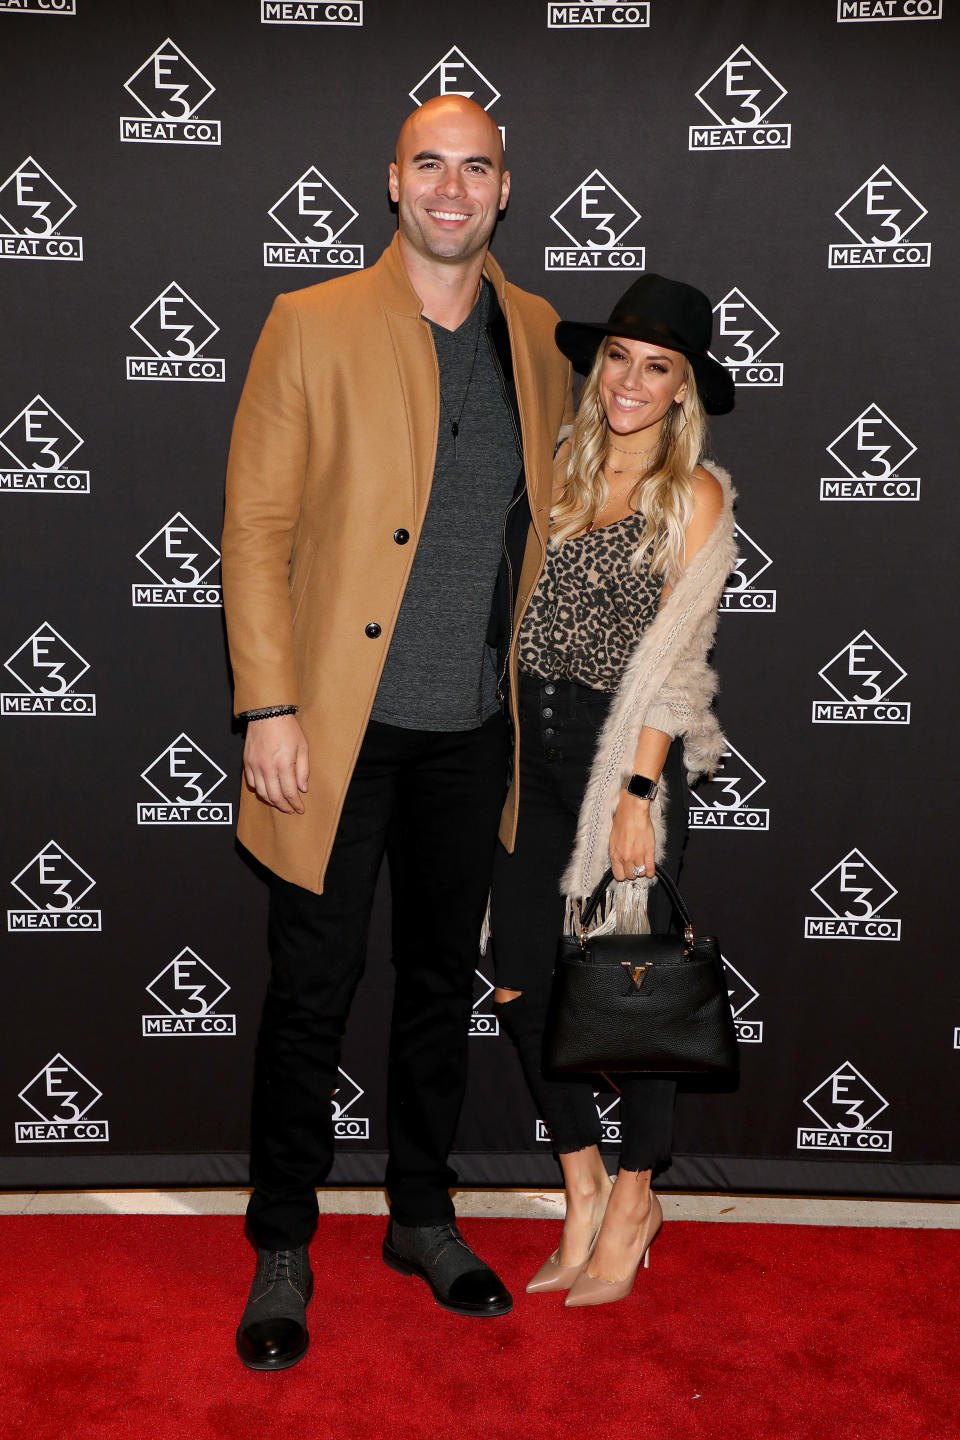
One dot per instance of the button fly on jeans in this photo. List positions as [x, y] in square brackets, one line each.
[547, 713]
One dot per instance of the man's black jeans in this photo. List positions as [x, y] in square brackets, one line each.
[432, 801]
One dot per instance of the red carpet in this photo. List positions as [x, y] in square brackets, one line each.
[121, 1328]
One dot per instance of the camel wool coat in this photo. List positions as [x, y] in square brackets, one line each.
[331, 459]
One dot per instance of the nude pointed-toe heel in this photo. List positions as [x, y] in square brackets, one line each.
[553, 1276]
[589, 1289]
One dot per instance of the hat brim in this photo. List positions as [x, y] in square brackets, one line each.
[579, 341]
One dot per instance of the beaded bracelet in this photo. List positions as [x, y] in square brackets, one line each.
[268, 713]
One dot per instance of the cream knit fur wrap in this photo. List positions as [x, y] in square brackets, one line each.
[668, 671]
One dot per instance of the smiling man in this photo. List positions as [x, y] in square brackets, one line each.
[392, 446]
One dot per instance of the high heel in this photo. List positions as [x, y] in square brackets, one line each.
[589, 1289]
[554, 1276]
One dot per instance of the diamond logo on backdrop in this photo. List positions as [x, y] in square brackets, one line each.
[46, 664]
[854, 892]
[609, 1116]
[189, 990]
[740, 95]
[752, 561]
[47, 667]
[59, 1092]
[742, 995]
[846, 1100]
[483, 1018]
[455, 74]
[862, 670]
[188, 986]
[596, 217]
[179, 554]
[863, 674]
[173, 326]
[62, 1097]
[742, 335]
[53, 881]
[314, 216]
[854, 889]
[185, 777]
[846, 1105]
[880, 215]
[883, 211]
[180, 558]
[176, 331]
[741, 91]
[168, 86]
[733, 783]
[871, 450]
[347, 1126]
[872, 446]
[31, 201]
[32, 209]
[184, 774]
[739, 990]
[39, 439]
[741, 591]
[312, 211]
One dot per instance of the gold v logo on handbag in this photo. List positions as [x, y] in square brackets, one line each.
[637, 973]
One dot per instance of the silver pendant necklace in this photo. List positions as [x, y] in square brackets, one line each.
[455, 423]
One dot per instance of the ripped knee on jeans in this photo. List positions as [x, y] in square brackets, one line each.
[502, 995]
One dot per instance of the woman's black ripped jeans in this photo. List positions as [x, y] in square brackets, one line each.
[559, 725]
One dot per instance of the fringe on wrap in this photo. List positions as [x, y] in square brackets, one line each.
[668, 667]
[623, 910]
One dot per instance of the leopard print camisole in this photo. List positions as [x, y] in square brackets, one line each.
[589, 608]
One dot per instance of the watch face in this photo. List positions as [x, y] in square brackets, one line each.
[641, 787]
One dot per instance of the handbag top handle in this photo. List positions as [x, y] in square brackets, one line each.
[673, 895]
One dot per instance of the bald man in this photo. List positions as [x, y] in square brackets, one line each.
[388, 493]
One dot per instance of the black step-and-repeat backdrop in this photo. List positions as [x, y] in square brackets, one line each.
[165, 169]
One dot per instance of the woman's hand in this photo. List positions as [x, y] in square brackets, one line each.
[631, 838]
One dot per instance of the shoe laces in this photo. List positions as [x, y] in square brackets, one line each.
[444, 1236]
[279, 1265]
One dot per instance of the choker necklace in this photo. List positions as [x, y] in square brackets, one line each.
[622, 451]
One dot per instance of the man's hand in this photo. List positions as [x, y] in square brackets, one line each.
[275, 762]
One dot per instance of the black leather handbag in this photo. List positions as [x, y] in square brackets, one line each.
[649, 1004]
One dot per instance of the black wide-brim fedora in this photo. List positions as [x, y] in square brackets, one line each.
[662, 312]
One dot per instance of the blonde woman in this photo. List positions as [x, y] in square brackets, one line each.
[614, 693]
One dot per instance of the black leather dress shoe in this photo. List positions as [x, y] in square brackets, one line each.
[458, 1278]
[273, 1329]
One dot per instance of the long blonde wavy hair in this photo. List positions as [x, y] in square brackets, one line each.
[663, 495]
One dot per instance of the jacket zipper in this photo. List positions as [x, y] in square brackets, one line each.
[503, 532]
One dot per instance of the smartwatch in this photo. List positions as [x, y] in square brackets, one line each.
[641, 787]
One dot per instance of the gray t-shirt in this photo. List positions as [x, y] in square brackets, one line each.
[439, 673]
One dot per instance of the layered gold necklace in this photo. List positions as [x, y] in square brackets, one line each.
[631, 470]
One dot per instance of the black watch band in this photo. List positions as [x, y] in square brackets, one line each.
[641, 787]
